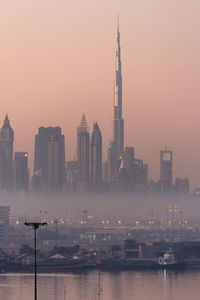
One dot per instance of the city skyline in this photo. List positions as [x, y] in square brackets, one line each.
[99, 149]
[150, 95]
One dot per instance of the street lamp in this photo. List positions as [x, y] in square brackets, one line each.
[35, 226]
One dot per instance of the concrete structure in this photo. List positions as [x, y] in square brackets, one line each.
[71, 172]
[181, 186]
[117, 120]
[49, 145]
[4, 222]
[129, 155]
[140, 172]
[6, 155]
[110, 164]
[83, 151]
[21, 173]
[54, 180]
[165, 170]
[96, 156]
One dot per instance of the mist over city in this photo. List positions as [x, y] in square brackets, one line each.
[99, 150]
[125, 206]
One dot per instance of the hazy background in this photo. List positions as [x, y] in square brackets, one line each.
[123, 207]
[57, 60]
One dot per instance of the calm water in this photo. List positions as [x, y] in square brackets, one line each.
[124, 285]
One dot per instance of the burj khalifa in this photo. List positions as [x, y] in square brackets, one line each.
[117, 120]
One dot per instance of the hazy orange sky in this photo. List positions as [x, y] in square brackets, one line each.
[57, 60]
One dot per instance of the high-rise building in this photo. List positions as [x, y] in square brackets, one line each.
[105, 172]
[140, 172]
[166, 170]
[4, 222]
[47, 148]
[96, 155]
[6, 155]
[117, 120]
[181, 186]
[132, 174]
[21, 171]
[83, 150]
[54, 175]
[128, 158]
[110, 163]
[71, 171]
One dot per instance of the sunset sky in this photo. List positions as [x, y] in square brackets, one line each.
[57, 61]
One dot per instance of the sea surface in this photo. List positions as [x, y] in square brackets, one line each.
[122, 285]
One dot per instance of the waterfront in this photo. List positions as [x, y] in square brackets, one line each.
[123, 285]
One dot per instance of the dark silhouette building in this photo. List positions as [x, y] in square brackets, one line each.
[71, 172]
[21, 174]
[55, 163]
[6, 155]
[181, 186]
[140, 173]
[96, 156]
[83, 151]
[129, 156]
[165, 170]
[132, 175]
[111, 162]
[4, 222]
[49, 159]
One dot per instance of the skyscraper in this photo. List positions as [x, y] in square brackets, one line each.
[166, 170]
[47, 148]
[110, 163]
[71, 172]
[117, 121]
[21, 173]
[55, 179]
[4, 222]
[6, 154]
[96, 155]
[83, 150]
[129, 156]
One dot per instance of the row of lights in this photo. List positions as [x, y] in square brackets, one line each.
[104, 222]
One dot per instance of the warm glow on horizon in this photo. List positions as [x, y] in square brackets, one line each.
[58, 61]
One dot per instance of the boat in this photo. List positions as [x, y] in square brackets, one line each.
[121, 263]
[57, 266]
[168, 261]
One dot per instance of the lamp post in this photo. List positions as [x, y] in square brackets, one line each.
[35, 226]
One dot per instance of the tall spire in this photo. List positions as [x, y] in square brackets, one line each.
[6, 123]
[117, 22]
[83, 127]
[118, 52]
[118, 122]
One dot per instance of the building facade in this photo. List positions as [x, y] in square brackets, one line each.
[49, 159]
[117, 120]
[71, 172]
[96, 156]
[4, 222]
[165, 170]
[21, 173]
[6, 155]
[83, 153]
